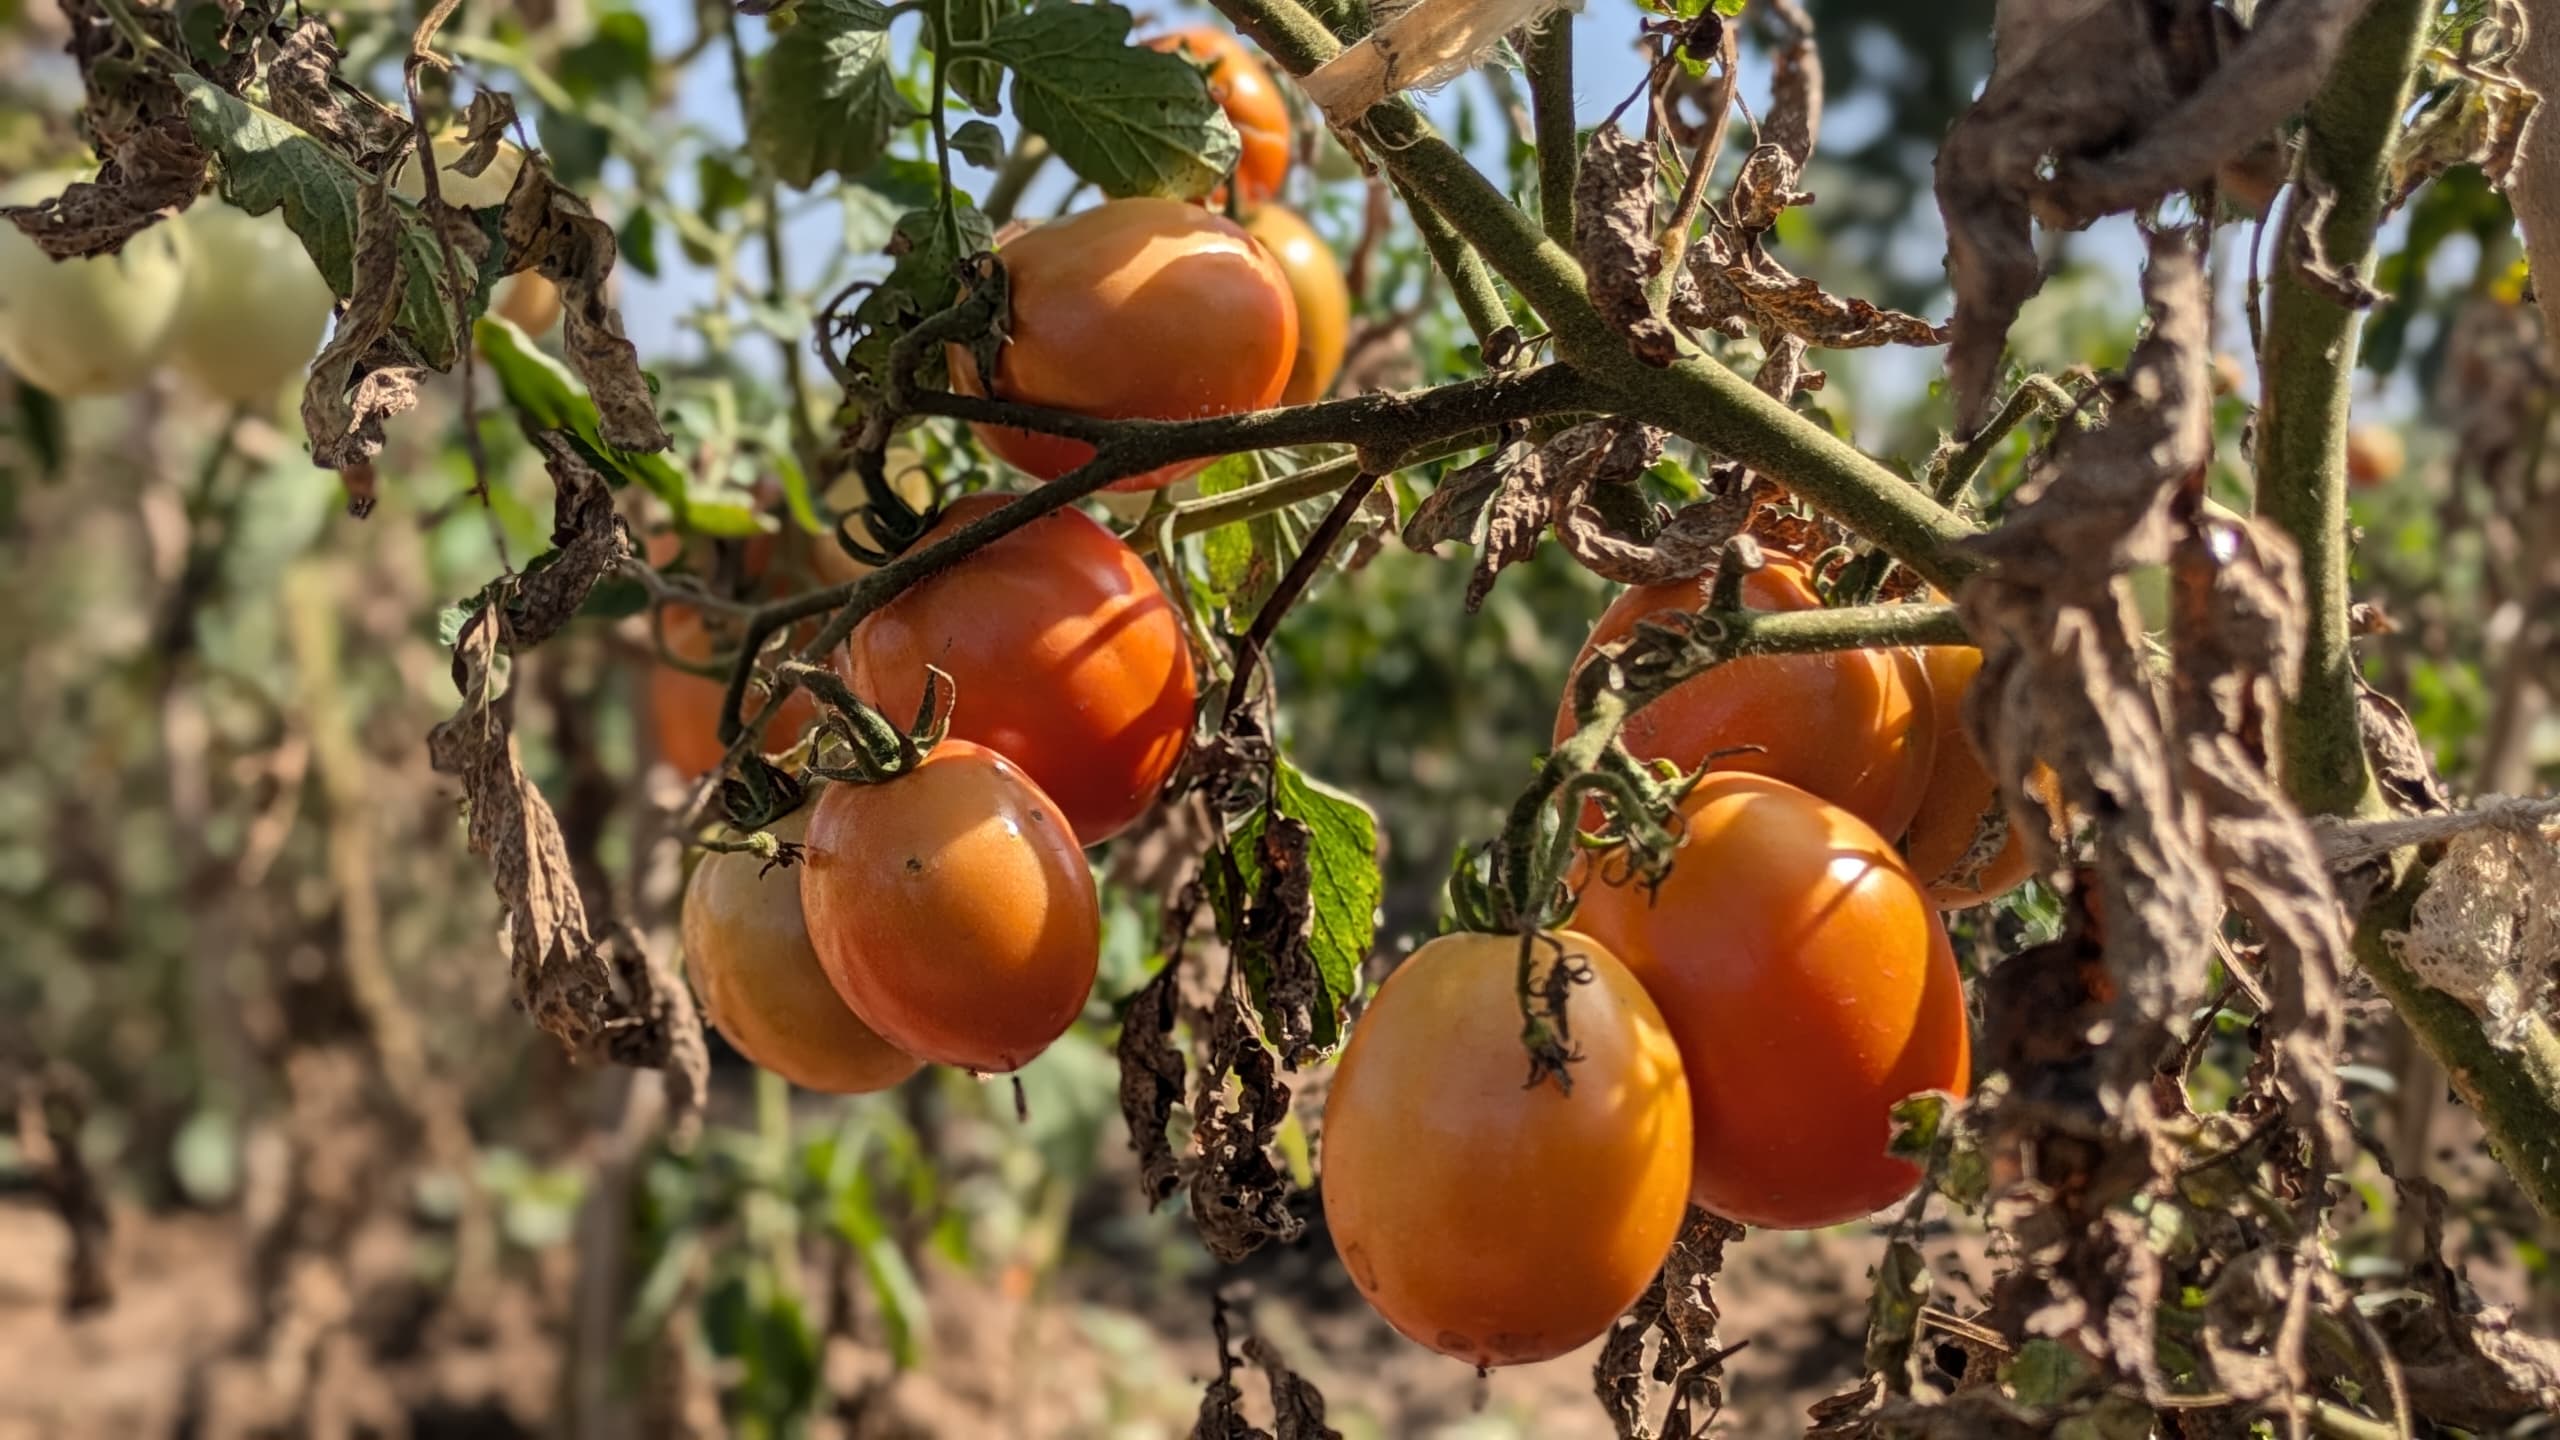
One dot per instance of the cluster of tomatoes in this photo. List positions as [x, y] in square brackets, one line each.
[1742, 1032]
[946, 914]
[228, 300]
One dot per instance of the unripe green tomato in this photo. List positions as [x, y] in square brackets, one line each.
[83, 327]
[471, 192]
[254, 307]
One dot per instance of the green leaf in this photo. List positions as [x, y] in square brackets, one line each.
[267, 162]
[826, 97]
[1346, 884]
[979, 143]
[971, 22]
[1131, 120]
[638, 241]
[547, 397]
[1229, 548]
[922, 282]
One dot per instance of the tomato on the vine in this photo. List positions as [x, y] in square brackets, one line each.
[83, 327]
[1324, 300]
[1064, 655]
[1493, 1221]
[747, 948]
[952, 909]
[1854, 726]
[1242, 87]
[1810, 986]
[254, 307]
[1135, 309]
[684, 707]
[1960, 798]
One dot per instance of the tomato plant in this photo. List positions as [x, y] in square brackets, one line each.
[1805, 975]
[1856, 727]
[398, 711]
[1135, 309]
[1066, 656]
[952, 909]
[747, 950]
[1497, 1222]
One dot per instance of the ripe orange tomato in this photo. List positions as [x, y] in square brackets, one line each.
[1135, 308]
[1960, 797]
[1242, 88]
[1496, 1222]
[1064, 655]
[747, 948]
[952, 909]
[2375, 455]
[1324, 301]
[1854, 727]
[684, 708]
[1810, 986]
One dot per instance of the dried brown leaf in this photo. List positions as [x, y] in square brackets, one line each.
[1765, 188]
[551, 229]
[1613, 238]
[155, 171]
[1800, 307]
[2065, 680]
[365, 374]
[2237, 634]
[1297, 1406]
[491, 114]
[1239, 1194]
[1274, 935]
[1677, 1315]
[1151, 1076]
[1794, 121]
[2308, 246]
[1783, 375]
[598, 994]
[1450, 512]
[304, 90]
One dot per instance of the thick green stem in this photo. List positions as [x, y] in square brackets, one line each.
[1550, 61]
[2514, 1090]
[1478, 298]
[2308, 359]
[1696, 399]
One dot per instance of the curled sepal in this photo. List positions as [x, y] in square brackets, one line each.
[757, 792]
[879, 749]
[1473, 903]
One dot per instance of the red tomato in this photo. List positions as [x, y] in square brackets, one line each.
[1324, 301]
[1242, 88]
[684, 708]
[747, 949]
[1961, 798]
[1064, 654]
[1494, 1221]
[1854, 727]
[1135, 308]
[1811, 988]
[952, 909]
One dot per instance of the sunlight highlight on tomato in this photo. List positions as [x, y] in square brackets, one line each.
[1810, 986]
[1856, 727]
[1493, 1221]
